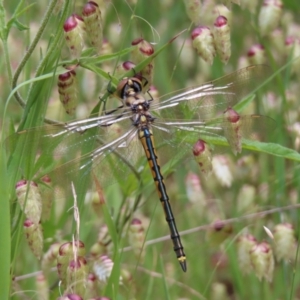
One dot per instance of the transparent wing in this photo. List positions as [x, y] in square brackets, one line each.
[212, 98]
[254, 127]
[200, 112]
[109, 149]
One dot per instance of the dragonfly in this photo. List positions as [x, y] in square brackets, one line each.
[111, 144]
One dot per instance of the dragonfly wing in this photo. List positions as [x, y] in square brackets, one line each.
[213, 98]
[182, 135]
[73, 151]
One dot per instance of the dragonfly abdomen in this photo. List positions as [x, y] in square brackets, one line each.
[146, 138]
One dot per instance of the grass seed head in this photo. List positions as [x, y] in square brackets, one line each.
[30, 200]
[68, 91]
[73, 35]
[284, 242]
[222, 38]
[269, 16]
[203, 42]
[256, 55]
[34, 237]
[193, 10]
[93, 24]
[262, 261]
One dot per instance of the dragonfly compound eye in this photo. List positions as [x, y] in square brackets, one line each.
[129, 87]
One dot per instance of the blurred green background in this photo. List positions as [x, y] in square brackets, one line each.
[251, 190]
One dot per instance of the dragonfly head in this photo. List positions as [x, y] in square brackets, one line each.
[129, 87]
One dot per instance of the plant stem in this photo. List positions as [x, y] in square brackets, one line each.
[30, 50]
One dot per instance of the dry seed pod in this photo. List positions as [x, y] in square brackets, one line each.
[73, 35]
[142, 50]
[264, 192]
[123, 68]
[92, 286]
[50, 257]
[42, 288]
[77, 272]
[262, 261]
[245, 170]
[219, 260]
[218, 233]
[97, 201]
[203, 42]
[222, 10]
[256, 55]
[222, 38]
[243, 62]
[245, 198]
[106, 47]
[103, 267]
[67, 89]
[284, 242]
[232, 131]
[93, 24]
[68, 252]
[292, 45]
[147, 76]
[203, 156]
[219, 291]
[102, 244]
[34, 237]
[193, 188]
[193, 10]
[295, 130]
[187, 57]
[137, 236]
[245, 244]
[106, 50]
[221, 170]
[269, 16]
[30, 200]
[98, 249]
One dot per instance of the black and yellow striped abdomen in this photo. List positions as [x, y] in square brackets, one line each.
[146, 138]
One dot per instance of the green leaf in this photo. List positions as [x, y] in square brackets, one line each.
[18, 25]
[272, 149]
[14, 22]
[269, 148]
[5, 240]
[3, 28]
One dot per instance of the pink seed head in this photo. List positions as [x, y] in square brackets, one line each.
[220, 21]
[90, 8]
[199, 147]
[70, 23]
[198, 31]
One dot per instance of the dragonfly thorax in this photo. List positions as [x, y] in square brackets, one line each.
[142, 119]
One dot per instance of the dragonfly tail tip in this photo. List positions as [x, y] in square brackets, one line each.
[183, 265]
